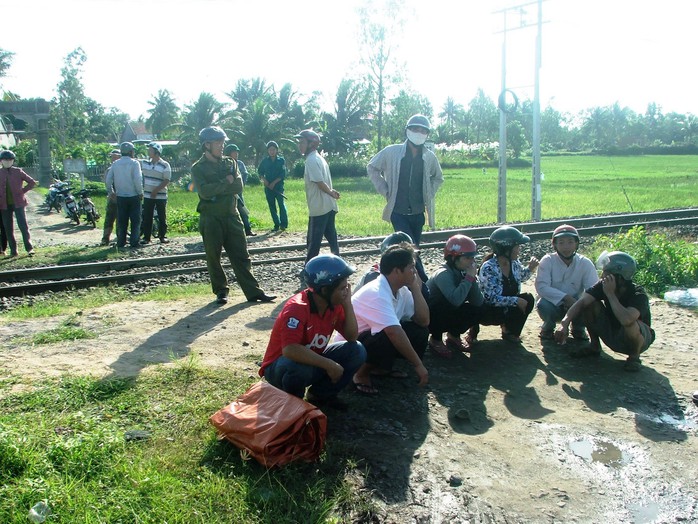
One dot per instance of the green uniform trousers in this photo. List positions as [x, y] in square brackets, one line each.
[219, 232]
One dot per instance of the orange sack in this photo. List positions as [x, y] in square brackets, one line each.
[272, 425]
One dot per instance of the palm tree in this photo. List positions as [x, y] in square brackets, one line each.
[452, 114]
[163, 113]
[5, 61]
[204, 112]
[350, 119]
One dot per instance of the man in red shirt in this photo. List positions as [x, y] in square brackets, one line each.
[299, 354]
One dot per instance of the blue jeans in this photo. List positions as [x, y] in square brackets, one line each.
[550, 314]
[274, 199]
[128, 209]
[293, 378]
[319, 227]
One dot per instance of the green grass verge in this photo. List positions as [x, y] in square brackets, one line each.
[64, 441]
[71, 302]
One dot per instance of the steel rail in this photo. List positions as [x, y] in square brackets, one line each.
[78, 275]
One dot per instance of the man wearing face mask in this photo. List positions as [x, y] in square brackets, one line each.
[408, 175]
[14, 183]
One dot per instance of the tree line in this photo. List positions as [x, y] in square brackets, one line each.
[367, 113]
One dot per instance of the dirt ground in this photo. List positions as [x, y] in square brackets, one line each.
[509, 434]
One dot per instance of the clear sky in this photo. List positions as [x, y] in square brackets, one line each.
[595, 52]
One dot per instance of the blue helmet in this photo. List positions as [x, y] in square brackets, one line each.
[325, 270]
[212, 134]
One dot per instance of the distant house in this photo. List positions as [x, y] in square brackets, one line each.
[136, 131]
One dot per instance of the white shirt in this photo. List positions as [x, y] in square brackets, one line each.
[376, 308]
[124, 177]
[317, 170]
[555, 279]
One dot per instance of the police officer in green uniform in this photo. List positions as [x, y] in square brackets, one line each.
[217, 180]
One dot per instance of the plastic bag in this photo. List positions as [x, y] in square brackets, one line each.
[273, 426]
[682, 297]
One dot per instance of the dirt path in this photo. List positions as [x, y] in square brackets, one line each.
[510, 434]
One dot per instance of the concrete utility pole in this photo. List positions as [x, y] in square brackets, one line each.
[504, 108]
[536, 196]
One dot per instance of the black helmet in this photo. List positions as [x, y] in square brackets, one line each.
[419, 121]
[127, 148]
[7, 155]
[325, 270]
[271, 143]
[230, 148]
[617, 263]
[395, 238]
[504, 238]
[212, 134]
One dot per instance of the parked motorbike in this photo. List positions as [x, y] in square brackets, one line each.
[70, 206]
[54, 197]
[87, 207]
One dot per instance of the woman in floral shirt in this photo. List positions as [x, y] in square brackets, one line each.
[500, 277]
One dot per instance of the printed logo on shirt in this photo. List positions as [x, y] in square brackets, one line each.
[293, 323]
[319, 341]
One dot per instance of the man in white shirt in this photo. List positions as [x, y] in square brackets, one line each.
[393, 319]
[321, 197]
[561, 279]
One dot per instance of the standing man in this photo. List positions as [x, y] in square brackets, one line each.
[393, 318]
[156, 177]
[408, 175]
[299, 354]
[272, 172]
[321, 198]
[615, 310]
[218, 181]
[125, 180]
[232, 151]
[562, 278]
[14, 184]
[110, 213]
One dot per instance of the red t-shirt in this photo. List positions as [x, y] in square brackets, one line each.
[300, 323]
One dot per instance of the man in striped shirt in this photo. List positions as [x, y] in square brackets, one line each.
[156, 176]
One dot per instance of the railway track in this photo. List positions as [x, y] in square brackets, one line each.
[30, 281]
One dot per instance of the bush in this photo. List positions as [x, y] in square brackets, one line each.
[663, 262]
[182, 221]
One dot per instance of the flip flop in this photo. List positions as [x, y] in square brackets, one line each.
[440, 349]
[457, 345]
[364, 389]
[393, 373]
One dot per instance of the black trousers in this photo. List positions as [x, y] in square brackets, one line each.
[511, 318]
[380, 350]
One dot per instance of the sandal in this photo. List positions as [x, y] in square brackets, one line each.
[457, 345]
[440, 349]
[365, 389]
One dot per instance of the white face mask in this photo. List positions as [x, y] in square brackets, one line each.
[416, 138]
[7, 163]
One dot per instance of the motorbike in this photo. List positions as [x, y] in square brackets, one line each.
[54, 197]
[70, 206]
[87, 207]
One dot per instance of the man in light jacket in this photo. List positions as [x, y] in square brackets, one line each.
[125, 179]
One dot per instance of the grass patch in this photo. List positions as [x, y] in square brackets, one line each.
[72, 302]
[64, 442]
[69, 329]
[663, 261]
